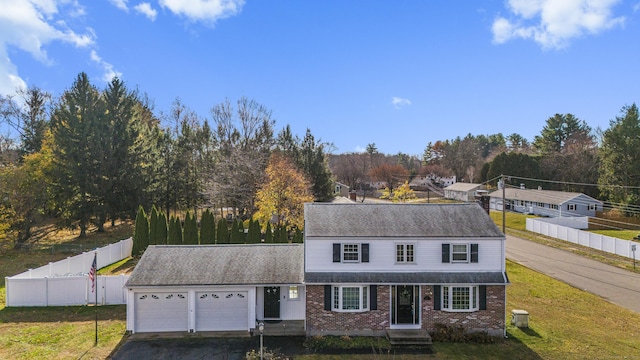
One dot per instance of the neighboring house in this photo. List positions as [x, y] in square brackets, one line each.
[546, 202]
[463, 191]
[363, 269]
[192, 288]
[341, 190]
[369, 268]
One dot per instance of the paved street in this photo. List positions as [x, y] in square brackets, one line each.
[619, 286]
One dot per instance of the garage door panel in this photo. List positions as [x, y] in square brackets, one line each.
[157, 312]
[222, 311]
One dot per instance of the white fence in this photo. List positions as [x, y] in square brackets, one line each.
[66, 282]
[584, 238]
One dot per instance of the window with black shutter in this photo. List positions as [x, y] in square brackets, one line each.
[445, 253]
[474, 253]
[337, 256]
[437, 297]
[373, 297]
[365, 253]
[327, 297]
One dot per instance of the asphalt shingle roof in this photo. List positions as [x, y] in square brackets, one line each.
[398, 220]
[177, 265]
[542, 196]
[463, 186]
[407, 278]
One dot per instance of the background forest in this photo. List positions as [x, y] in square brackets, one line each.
[92, 155]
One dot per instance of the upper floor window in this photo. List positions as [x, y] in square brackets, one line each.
[404, 253]
[350, 252]
[571, 207]
[459, 253]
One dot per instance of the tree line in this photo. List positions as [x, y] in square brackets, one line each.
[156, 229]
[95, 155]
[567, 152]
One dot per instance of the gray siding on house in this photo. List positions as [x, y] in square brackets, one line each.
[546, 202]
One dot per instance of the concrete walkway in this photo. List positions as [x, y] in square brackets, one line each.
[616, 285]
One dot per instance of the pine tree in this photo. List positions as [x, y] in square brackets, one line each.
[268, 234]
[141, 233]
[298, 237]
[162, 228]
[153, 226]
[207, 228]
[175, 231]
[235, 233]
[190, 230]
[222, 232]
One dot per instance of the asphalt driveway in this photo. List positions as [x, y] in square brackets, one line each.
[206, 348]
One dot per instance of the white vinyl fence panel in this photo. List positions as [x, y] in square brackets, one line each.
[596, 241]
[66, 282]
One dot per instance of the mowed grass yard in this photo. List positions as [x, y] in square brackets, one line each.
[565, 323]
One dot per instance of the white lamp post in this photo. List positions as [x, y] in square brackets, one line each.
[261, 328]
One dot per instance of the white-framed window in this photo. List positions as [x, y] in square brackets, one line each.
[459, 252]
[592, 207]
[350, 298]
[571, 207]
[554, 206]
[293, 293]
[459, 298]
[350, 252]
[405, 253]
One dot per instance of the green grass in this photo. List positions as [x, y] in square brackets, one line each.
[565, 323]
[514, 221]
[620, 234]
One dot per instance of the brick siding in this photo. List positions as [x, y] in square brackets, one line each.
[375, 322]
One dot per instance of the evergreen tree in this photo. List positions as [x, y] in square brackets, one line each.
[235, 233]
[190, 230]
[162, 228]
[268, 234]
[175, 231]
[77, 135]
[141, 233]
[620, 156]
[298, 236]
[207, 228]
[153, 227]
[222, 232]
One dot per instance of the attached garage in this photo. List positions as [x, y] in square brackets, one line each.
[222, 310]
[161, 311]
[195, 288]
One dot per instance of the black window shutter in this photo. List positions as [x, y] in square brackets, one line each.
[373, 297]
[436, 297]
[445, 253]
[474, 253]
[365, 253]
[327, 297]
[482, 293]
[336, 252]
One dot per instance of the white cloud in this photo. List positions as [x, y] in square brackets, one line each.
[146, 10]
[120, 4]
[553, 23]
[109, 72]
[636, 7]
[207, 11]
[30, 25]
[399, 102]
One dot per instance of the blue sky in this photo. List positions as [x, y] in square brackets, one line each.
[395, 73]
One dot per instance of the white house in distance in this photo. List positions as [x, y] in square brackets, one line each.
[463, 191]
[364, 269]
[546, 202]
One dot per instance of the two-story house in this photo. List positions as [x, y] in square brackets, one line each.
[363, 269]
[370, 267]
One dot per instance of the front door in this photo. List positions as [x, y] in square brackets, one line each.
[405, 305]
[272, 302]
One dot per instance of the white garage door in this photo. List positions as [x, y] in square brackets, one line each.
[222, 310]
[157, 312]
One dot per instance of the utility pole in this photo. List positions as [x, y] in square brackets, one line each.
[504, 205]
